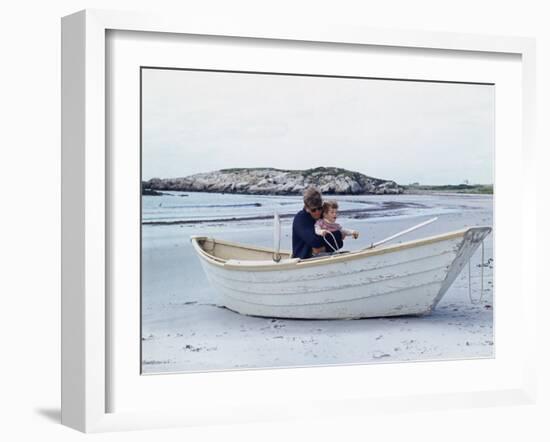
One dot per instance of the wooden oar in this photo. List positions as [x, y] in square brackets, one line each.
[389, 238]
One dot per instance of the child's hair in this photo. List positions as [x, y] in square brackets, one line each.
[330, 204]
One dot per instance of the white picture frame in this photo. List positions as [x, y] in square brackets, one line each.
[86, 357]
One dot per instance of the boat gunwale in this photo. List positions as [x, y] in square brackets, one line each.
[297, 263]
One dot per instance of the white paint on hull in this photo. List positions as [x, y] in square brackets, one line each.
[401, 279]
[416, 302]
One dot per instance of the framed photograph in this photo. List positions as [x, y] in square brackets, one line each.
[252, 212]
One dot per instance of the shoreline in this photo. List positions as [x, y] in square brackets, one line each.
[184, 329]
[407, 191]
[444, 193]
[359, 214]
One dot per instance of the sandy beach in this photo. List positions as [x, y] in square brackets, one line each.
[184, 329]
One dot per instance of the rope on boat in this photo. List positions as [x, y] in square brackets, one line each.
[335, 242]
[470, 275]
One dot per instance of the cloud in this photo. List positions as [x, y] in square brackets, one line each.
[434, 133]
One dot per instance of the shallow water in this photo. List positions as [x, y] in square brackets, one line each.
[197, 207]
[183, 329]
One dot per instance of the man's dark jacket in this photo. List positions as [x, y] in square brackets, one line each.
[304, 237]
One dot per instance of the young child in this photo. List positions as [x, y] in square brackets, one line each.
[328, 223]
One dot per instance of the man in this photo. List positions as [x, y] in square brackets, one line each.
[304, 240]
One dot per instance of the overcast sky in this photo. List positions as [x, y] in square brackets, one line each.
[432, 133]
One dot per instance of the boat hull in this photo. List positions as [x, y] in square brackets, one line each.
[404, 279]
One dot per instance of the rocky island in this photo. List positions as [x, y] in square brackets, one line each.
[270, 181]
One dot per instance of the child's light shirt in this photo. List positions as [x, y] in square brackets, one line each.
[323, 224]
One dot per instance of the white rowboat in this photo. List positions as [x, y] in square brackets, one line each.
[409, 278]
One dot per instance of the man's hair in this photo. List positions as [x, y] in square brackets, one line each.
[312, 198]
[331, 204]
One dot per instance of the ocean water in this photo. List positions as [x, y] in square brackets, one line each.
[199, 207]
[170, 265]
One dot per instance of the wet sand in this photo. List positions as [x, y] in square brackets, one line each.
[183, 329]
[351, 213]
